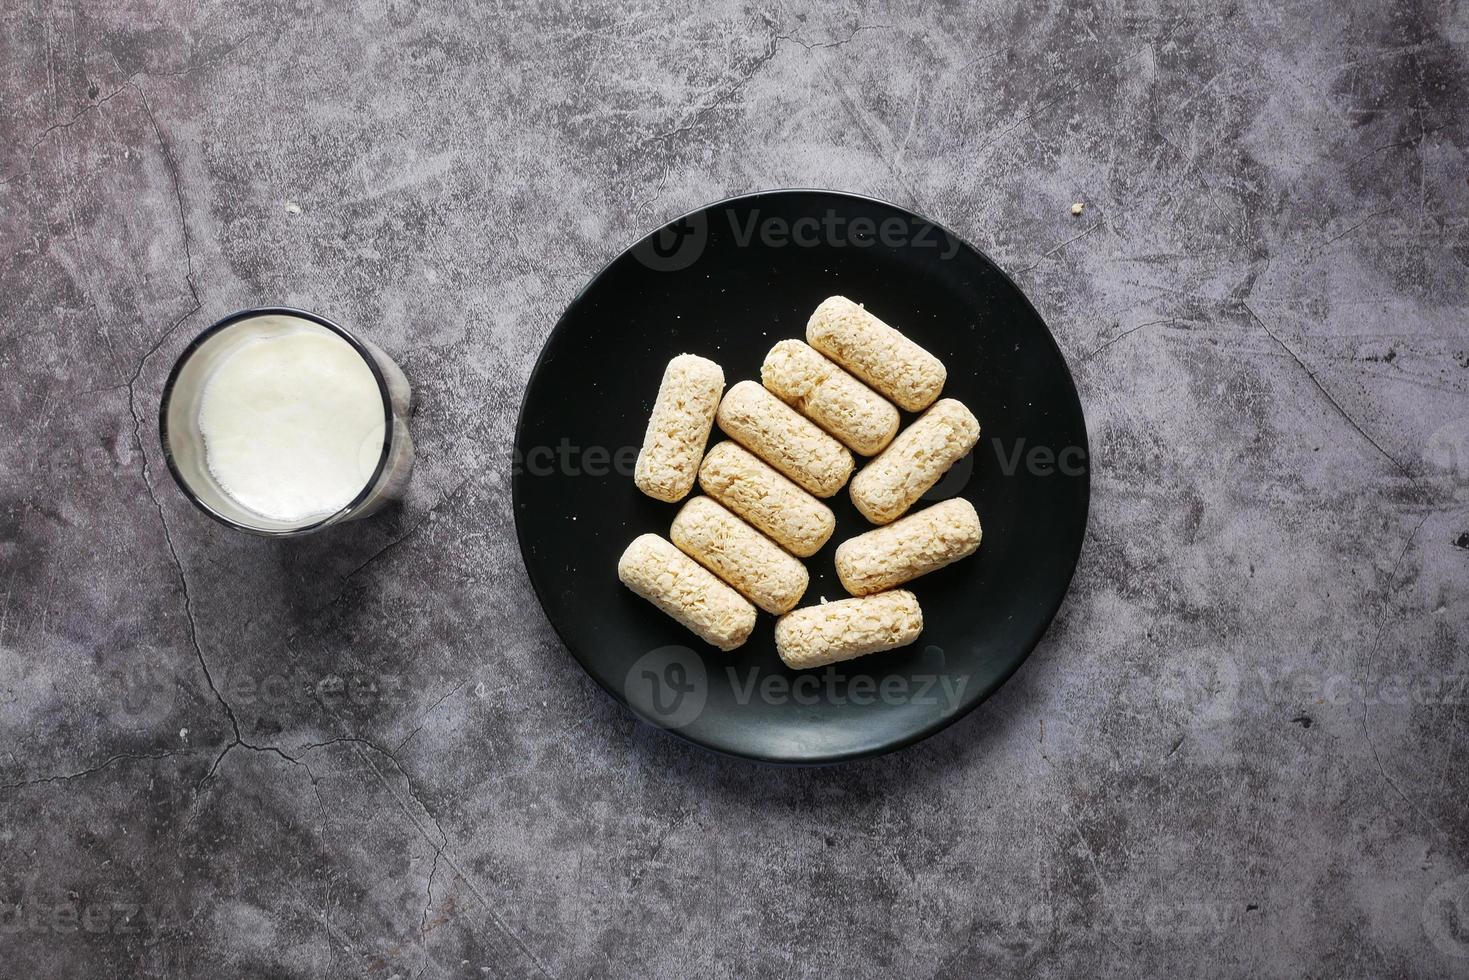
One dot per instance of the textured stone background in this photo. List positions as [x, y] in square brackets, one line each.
[1241, 748]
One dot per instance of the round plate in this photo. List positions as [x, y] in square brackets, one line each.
[726, 283]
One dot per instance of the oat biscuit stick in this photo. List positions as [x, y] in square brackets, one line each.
[748, 486]
[916, 545]
[757, 567]
[687, 591]
[819, 635]
[914, 461]
[772, 430]
[679, 427]
[876, 353]
[820, 390]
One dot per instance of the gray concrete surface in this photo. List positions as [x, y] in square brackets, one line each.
[1239, 751]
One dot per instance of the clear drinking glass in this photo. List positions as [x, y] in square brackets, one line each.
[183, 443]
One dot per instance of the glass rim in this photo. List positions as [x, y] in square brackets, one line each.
[251, 313]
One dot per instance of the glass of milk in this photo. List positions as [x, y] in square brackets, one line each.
[280, 422]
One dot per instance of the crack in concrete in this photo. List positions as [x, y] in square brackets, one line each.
[1126, 333]
[1091, 857]
[178, 194]
[1176, 746]
[147, 472]
[1401, 468]
[428, 902]
[646, 863]
[441, 846]
[67, 124]
[1339, 237]
[67, 777]
[128, 81]
[130, 385]
[418, 525]
[1073, 86]
[814, 45]
[238, 741]
[850, 104]
[772, 46]
[1052, 251]
[421, 719]
[1387, 591]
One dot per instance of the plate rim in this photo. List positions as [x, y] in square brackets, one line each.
[832, 758]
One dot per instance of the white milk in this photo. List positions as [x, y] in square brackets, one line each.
[292, 424]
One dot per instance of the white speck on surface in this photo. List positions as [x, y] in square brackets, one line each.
[1078, 207]
[292, 207]
[183, 733]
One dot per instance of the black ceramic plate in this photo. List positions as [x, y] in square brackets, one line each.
[726, 283]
